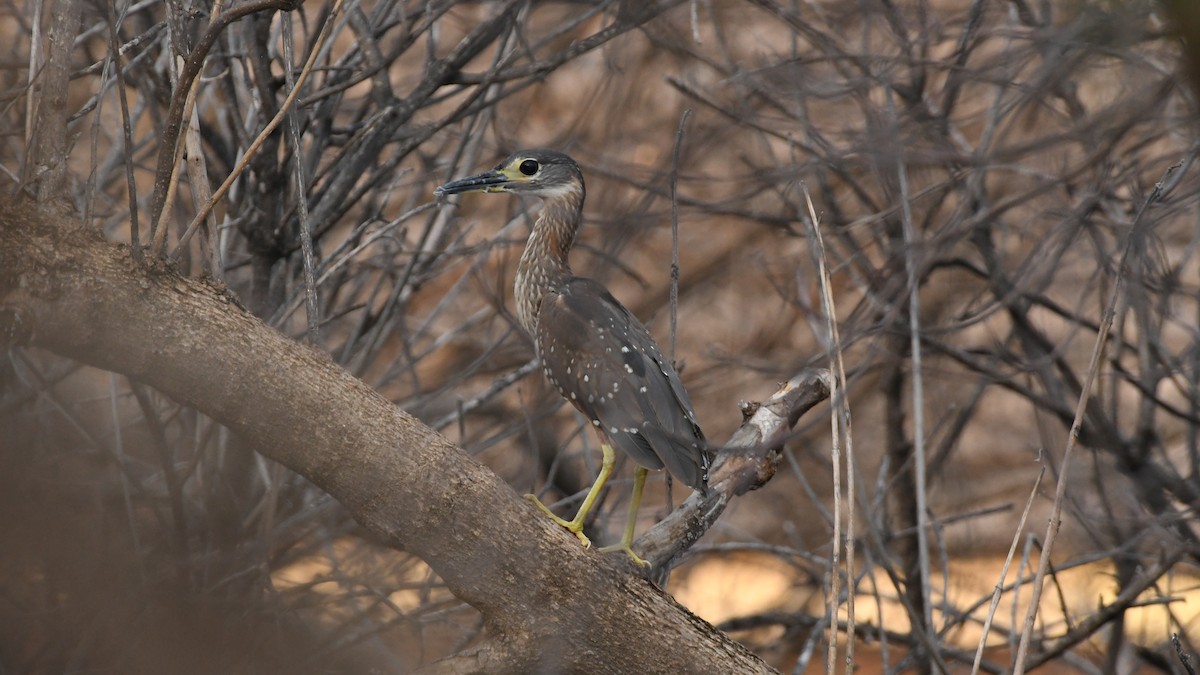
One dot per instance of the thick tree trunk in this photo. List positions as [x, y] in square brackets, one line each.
[549, 605]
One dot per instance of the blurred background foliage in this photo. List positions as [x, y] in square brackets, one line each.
[988, 160]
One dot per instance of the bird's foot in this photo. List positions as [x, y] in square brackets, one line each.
[625, 546]
[575, 526]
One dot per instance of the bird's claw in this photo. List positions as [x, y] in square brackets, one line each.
[623, 546]
[575, 527]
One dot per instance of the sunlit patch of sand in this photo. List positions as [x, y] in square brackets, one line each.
[720, 589]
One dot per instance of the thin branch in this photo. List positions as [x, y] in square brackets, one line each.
[313, 312]
[167, 155]
[262, 137]
[746, 463]
[996, 593]
[674, 180]
[1135, 234]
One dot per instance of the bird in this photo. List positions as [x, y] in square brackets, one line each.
[593, 350]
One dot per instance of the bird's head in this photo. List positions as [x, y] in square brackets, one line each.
[540, 173]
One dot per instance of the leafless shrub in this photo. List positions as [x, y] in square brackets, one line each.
[977, 169]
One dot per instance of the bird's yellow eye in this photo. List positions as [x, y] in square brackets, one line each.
[528, 167]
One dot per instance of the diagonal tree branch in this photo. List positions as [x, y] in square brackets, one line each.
[548, 603]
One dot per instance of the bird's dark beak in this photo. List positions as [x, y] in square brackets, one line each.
[492, 181]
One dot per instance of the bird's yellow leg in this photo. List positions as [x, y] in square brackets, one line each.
[575, 526]
[626, 545]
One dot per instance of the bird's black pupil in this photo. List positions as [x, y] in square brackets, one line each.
[529, 167]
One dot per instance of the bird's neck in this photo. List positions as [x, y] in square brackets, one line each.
[544, 265]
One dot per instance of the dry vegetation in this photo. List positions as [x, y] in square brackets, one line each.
[984, 178]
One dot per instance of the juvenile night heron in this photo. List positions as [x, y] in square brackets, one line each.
[592, 349]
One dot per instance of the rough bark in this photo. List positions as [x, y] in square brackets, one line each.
[549, 604]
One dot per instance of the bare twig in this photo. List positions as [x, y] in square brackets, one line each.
[167, 156]
[839, 419]
[1136, 232]
[675, 232]
[746, 463]
[313, 312]
[267, 130]
[1185, 659]
[912, 269]
[987, 622]
[127, 131]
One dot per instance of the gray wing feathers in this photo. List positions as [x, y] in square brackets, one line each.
[603, 360]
